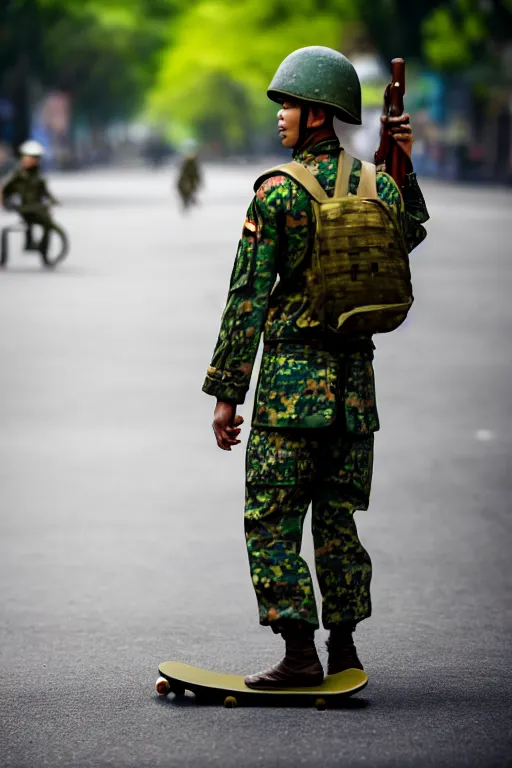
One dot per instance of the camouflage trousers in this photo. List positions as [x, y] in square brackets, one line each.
[287, 471]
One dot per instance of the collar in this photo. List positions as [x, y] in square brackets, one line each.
[325, 147]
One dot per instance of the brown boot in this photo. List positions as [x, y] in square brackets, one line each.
[300, 667]
[342, 651]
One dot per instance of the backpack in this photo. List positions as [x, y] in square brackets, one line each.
[359, 281]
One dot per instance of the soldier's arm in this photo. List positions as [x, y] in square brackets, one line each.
[8, 188]
[415, 212]
[46, 194]
[252, 280]
[409, 206]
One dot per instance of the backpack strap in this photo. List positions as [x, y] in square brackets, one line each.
[301, 175]
[368, 181]
[345, 163]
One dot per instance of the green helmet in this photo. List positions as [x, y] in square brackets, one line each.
[320, 75]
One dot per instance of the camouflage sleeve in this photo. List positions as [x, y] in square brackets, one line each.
[252, 280]
[409, 206]
[415, 212]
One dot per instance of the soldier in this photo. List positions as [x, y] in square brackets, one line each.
[315, 413]
[27, 192]
[189, 178]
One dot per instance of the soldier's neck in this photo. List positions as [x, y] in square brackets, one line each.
[315, 137]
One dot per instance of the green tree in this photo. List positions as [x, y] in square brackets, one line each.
[462, 33]
[222, 55]
[104, 53]
[394, 27]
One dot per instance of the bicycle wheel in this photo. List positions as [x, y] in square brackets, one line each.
[57, 248]
[4, 247]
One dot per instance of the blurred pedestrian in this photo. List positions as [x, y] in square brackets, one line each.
[315, 413]
[26, 192]
[189, 179]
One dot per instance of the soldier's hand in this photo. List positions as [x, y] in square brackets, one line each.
[226, 425]
[400, 129]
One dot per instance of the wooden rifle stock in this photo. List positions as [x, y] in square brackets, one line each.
[389, 155]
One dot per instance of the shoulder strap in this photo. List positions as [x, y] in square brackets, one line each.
[345, 162]
[368, 182]
[301, 175]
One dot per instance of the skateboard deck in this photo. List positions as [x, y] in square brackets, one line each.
[230, 690]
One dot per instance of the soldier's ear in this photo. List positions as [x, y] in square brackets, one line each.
[317, 117]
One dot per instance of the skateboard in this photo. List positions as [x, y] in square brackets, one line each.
[230, 690]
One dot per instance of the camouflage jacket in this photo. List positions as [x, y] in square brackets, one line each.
[29, 186]
[306, 380]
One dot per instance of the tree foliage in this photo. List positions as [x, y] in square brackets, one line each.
[223, 55]
[104, 53]
[203, 66]
[454, 34]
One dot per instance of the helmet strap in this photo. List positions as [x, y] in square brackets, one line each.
[306, 135]
[303, 128]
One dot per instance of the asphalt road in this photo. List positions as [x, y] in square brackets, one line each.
[121, 533]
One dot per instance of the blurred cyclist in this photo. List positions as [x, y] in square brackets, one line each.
[26, 191]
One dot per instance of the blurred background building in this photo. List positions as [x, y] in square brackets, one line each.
[106, 81]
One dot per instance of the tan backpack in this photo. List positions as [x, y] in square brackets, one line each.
[360, 280]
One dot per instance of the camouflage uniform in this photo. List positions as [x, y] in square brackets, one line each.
[314, 413]
[34, 194]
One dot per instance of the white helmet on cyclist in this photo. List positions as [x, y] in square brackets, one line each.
[31, 148]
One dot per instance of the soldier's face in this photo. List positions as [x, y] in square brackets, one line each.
[288, 123]
[29, 162]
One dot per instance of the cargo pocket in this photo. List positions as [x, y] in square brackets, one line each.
[356, 469]
[296, 389]
[274, 459]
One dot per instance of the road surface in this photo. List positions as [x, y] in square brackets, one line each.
[121, 529]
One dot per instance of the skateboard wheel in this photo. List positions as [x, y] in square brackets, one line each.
[162, 686]
[178, 689]
[230, 702]
[321, 704]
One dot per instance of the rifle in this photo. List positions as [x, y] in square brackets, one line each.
[389, 156]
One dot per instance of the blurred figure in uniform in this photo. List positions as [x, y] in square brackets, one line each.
[189, 179]
[26, 192]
